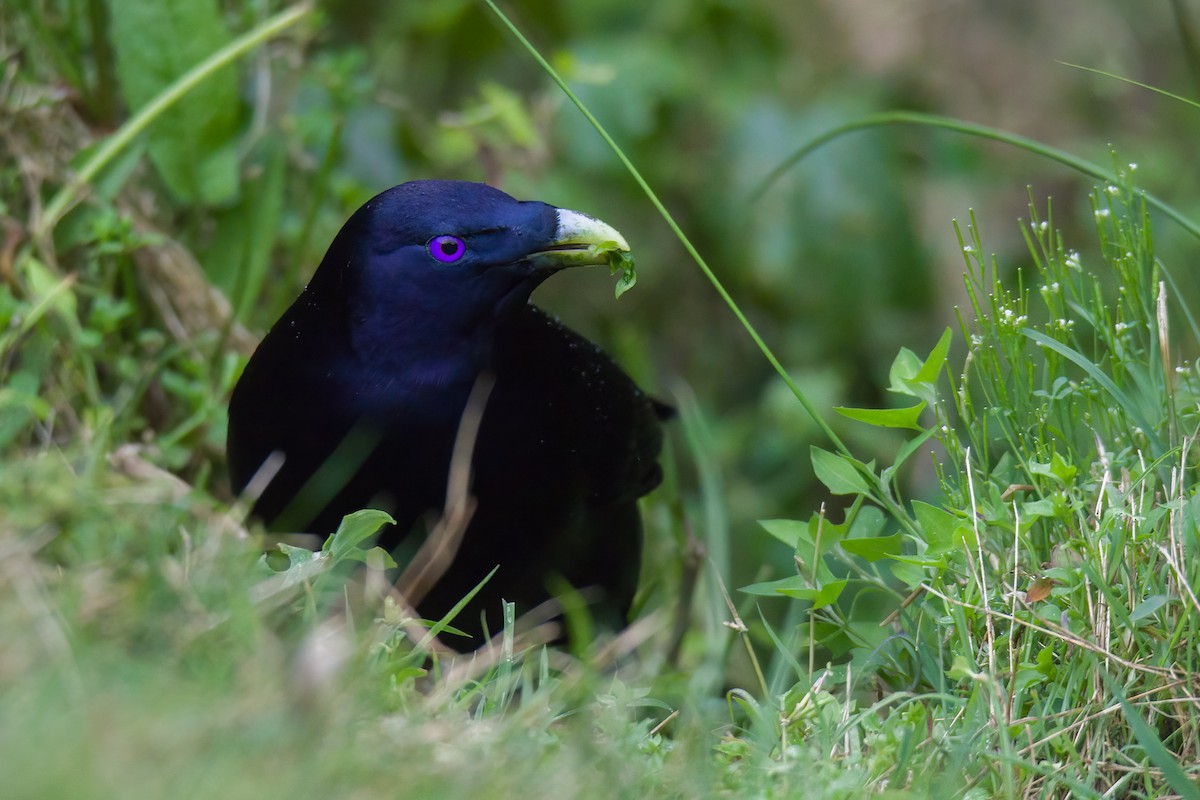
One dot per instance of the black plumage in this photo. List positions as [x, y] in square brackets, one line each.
[362, 384]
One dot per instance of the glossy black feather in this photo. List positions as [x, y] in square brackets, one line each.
[363, 381]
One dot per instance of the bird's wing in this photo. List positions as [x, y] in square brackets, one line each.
[585, 399]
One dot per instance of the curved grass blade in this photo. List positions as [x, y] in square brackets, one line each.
[971, 129]
[113, 145]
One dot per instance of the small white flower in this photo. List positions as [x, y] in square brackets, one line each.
[1113, 190]
[1072, 260]
[1133, 167]
[1044, 226]
[1101, 213]
[968, 249]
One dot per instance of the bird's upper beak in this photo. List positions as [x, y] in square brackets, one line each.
[579, 241]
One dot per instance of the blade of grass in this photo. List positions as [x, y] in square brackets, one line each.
[970, 129]
[1132, 82]
[69, 194]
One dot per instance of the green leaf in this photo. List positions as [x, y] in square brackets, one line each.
[787, 531]
[619, 260]
[1057, 469]
[961, 668]
[801, 536]
[885, 417]
[798, 588]
[911, 376]
[943, 531]
[829, 593]
[1148, 607]
[793, 583]
[911, 575]
[1039, 508]
[904, 367]
[192, 143]
[355, 529]
[937, 359]
[48, 293]
[839, 474]
[874, 548]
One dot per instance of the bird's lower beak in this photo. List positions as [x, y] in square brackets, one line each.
[579, 241]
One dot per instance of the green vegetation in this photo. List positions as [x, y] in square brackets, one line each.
[975, 577]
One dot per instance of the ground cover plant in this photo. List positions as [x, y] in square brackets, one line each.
[977, 578]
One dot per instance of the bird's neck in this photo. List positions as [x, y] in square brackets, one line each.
[430, 349]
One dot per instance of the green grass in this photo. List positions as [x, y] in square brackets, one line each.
[1000, 602]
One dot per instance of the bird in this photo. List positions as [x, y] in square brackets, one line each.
[360, 388]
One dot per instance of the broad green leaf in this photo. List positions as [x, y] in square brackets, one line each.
[911, 376]
[793, 583]
[875, 547]
[1038, 508]
[47, 292]
[799, 588]
[937, 524]
[905, 365]
[1057, 469]
[885, 417]
[355, 529]
[961, 668]
[192, 143]
[937, 359]
[1026, 677]
[787, 531]
[839, 473]
[1148, 607]
[911, 575]
[802, 536]
[825, 531]
[868, 522]
[828, 593]
[944, 532]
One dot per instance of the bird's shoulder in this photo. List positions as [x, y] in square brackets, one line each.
[569, 389]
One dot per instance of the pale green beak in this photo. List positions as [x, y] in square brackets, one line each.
[579, 241]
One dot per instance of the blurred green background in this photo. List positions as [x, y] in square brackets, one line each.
[848, 257]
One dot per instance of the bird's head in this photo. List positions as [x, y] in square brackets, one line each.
[449, 258]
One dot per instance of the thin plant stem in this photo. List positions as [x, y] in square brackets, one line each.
[69, 194]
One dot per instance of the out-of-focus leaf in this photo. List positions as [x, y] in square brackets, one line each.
[1039, 590]
[355, 529]
[192, 143]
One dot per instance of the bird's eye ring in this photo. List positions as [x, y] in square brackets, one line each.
[447, 249]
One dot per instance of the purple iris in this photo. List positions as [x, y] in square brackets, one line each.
[447, 249]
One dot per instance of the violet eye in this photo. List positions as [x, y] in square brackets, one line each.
[447, 249]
